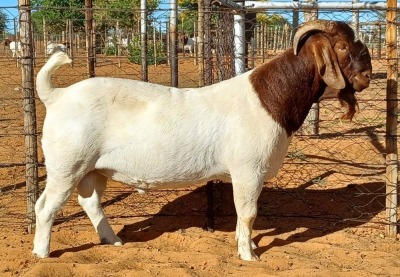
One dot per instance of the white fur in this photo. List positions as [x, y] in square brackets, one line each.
[152, 136]
[16, 49]
[54, 47]
[190, 45]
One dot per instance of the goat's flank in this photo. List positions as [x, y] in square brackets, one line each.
[152, 136]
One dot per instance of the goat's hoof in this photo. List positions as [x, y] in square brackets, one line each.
[118, 243]
[253, 245]
[249, 257]
[39, 255]
[114, 241]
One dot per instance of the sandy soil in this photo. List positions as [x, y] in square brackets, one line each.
[322, 216]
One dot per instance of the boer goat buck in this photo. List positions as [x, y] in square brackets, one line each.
[152, 136]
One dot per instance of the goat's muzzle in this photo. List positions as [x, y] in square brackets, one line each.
[361, 80]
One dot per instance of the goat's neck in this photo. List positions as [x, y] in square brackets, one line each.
[287, 87]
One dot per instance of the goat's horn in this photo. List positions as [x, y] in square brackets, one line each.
[315, 25]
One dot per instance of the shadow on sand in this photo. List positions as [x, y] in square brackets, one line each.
[315, 212]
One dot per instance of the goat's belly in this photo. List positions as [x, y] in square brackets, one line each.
[162, 183]
[145, 184]
[159, 169]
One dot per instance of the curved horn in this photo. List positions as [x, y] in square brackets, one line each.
[315, 25]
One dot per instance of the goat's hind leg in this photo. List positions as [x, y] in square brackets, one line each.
[90, 191]
[53, 198]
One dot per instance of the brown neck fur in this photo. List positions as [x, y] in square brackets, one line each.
[287, 87]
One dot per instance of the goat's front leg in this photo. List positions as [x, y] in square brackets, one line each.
[90, 191]
[245, 194]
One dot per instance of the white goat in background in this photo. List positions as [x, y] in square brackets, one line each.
[15, 47]
[52, 47]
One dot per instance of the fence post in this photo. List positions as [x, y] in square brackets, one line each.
[143, 39]
[200, 10]
[70, 41]
[173, 29]
[355, 21]
[89, 37]
[27, 68]
[45, 38]
[239, 42]
[391, 119]
[311, 123]
[208, 67]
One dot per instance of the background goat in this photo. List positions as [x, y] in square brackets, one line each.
[189, 44]
[152, 136]
[54, 47]
[15, 47]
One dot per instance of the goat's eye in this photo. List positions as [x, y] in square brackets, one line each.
[342, 46]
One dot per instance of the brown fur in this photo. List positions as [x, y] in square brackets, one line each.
[288, 85]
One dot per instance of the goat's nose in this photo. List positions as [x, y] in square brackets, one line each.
[367, 74]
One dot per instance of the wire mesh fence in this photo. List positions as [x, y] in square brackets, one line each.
[335, 177]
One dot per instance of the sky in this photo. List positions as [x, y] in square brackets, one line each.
[12, 13]
[10, 3]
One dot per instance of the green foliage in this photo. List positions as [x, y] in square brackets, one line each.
[135, 52]
[271, 20]
[3, 21]
[56, 13]
[186, 21]
[126, 12]
[110, 51]
[187, 4]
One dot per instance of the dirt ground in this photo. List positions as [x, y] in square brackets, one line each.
[303, 228]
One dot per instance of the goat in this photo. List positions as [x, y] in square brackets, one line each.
[15, 47]
[189, 44]
[52, 47]
[152, 136]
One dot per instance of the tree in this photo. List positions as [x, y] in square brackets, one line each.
[272, 20]
[126, 12]
[56, 12]
[3, 21]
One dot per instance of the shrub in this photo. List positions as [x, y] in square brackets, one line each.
[135, 52]
[110, 50]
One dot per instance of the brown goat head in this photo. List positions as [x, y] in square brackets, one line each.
[343, 63]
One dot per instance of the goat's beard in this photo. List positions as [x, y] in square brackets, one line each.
[348, 100]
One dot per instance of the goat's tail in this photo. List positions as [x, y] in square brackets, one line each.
[44, 86]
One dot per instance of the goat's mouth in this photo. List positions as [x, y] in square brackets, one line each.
[346, 96]
[361, 80]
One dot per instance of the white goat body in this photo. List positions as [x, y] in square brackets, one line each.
[190, 45]
[152, 136]
[16, 49]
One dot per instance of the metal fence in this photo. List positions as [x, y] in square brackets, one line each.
[331, 179]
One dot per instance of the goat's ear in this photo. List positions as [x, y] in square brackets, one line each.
[327, 63]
